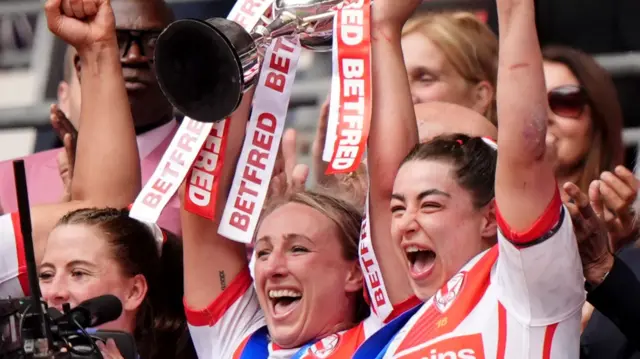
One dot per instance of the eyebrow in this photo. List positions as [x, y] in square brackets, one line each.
[423, 194]
[421, 70]
[289, 237]
[70, 264]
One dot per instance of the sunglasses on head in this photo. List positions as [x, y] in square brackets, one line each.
[567, 101]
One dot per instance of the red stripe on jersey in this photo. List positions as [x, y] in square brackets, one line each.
[238, 353]
[23, 278]
[212, 314]
[402, 307]
[544, 224]
[502, 331]
[548, 339]
[434, 323]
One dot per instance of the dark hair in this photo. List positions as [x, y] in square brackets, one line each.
[606, 149]
[161, 330]
[473, 160]
[347, 218]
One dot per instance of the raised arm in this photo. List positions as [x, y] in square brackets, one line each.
[107, 168]
[539, 271]
[211, 262]
[525, 181]
[393, 133]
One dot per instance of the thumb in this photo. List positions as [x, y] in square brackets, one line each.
[596, 199]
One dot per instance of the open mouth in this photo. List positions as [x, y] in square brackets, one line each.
[421, 261]
[284, 301]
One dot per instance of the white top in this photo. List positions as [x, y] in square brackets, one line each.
[520, 299]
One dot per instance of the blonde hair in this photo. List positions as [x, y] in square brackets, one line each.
[467, 43]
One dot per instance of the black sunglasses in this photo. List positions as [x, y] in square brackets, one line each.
[568, 101]
[145, 39]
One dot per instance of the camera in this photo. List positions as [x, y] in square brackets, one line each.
[22, 335]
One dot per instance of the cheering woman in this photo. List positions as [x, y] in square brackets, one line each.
[106, 143]
[514, 300]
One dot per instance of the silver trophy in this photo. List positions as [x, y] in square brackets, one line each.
[204, 67]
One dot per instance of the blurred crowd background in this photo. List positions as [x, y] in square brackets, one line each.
[31, 63]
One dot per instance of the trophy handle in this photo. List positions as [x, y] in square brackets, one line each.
[201, 66]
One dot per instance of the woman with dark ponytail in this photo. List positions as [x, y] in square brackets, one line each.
[93, 252]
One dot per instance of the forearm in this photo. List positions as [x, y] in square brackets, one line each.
[394, 132]
[210, 260]
[107, 166]
[525, 182]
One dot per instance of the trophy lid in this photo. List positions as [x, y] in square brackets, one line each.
[198, 70]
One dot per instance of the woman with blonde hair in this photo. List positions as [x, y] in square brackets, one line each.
[452, 57]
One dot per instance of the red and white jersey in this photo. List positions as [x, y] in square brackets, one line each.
[520, 299]
[223, 329]
[13, 266]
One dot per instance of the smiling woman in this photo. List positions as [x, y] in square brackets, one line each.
[92, 252]
[448, 179]
[308, 277]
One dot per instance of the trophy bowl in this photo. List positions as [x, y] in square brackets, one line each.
[200, 66]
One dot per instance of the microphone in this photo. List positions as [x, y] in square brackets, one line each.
[96, 311]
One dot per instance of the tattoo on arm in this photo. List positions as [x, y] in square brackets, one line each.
[223, 280]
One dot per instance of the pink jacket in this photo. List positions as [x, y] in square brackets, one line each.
[45, 185]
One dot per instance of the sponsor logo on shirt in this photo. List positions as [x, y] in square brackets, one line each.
[445, 297]
[324, 348]
[463, 347]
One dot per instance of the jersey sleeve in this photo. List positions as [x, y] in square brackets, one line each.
[218, 330]
[538, 272]
[13, 266]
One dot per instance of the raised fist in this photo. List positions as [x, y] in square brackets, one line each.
[81, 23]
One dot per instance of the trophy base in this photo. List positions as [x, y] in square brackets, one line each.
[198, 70]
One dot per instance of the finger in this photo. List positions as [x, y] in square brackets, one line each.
[63, 167]
[55, 123]
[574, 212]
[66, 8]
[596, 199]
[113, 348]
[628, 177]
[70, 151]
[275, 187]
[611, 199]
[622, 189]
[321, 128]
[103, 349]
[580, 199]
[90, 8]
[65, 122]
[289, 151]
[323, 119]
[299, 177]
[78, 8]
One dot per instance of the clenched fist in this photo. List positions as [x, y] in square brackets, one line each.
[82, 23]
